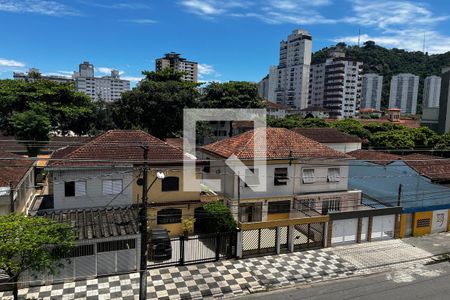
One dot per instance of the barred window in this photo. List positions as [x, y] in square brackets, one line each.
[279, 207]
[281, 176]
[170, 184]
[169, 216]
[331, 205]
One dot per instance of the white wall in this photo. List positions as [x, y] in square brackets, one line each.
[344, 147]
[94, 194]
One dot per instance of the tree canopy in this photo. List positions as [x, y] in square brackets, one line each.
[33, 244]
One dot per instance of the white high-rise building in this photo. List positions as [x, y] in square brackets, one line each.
[291, 76]
[372, 86]
[336, 85]
[431, 91]
[107, 88]
[175, 62]
[404, 91]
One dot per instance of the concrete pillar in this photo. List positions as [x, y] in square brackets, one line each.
[369, 229]
[265, 209]
[277, 240]
[290, 238]
[329, 234]
[358, 231]
[397, 226]
[239, 244]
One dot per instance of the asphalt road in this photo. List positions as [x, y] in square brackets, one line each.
[418, 282]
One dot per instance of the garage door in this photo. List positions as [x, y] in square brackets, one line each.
[344, 231]
[383, 227]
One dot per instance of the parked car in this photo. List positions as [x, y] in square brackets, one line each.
[159, 247]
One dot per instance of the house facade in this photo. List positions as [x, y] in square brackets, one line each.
[332, 137]
[17, 183]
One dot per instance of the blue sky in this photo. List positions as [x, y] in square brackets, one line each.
[230, 39]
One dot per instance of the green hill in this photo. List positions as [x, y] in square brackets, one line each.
[388, 62]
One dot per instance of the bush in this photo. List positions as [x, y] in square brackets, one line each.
[218, 218]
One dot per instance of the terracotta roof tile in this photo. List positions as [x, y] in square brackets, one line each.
[376, 157]
[327, 135]
[434, 167]
[116, 147]
[281, 143]
[12, 168]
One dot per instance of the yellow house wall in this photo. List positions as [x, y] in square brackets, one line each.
[173, 229]
[422, 230]
[280, 216]
[156, 195]
[402, 226]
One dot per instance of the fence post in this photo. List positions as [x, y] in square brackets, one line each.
[308, 235]
[239, 242]
[277, 240]
[182, 238]
[259, 239]
[290, 238]
[217, 246]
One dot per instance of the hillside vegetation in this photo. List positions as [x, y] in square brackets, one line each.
[389, 62]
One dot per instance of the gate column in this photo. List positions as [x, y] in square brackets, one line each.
[290, 238]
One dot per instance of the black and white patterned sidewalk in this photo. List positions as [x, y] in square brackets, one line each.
[210, 280]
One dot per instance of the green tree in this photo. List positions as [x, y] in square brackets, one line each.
[352, 127]
[33, 244]
[218, 218]
[392, 140]
[295, 121]
[156, 104]
[233, 94]
[32, 127]
[63, 106]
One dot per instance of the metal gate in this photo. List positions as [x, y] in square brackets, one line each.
[265, 241]
[197, 249]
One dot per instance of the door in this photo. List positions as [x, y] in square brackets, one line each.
[344, 231]
[383, 227]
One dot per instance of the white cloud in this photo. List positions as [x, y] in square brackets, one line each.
[106, 70]
[132, 78]
[121, 5]
[42, 7]
[141, 21]
[57, 74]
[205, 70]
[10, 63]
[268, 11]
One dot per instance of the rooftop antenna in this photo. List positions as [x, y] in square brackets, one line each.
[423, 50]
[359, 36]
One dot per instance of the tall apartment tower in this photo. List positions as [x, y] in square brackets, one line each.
[404, 91]
[431, 91]
[108, 88]
[175, 62]
[444, 102]
[372, 85]
[336, 85]
[291, 77]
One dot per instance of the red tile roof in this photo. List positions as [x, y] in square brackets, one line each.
[434, 167]
[376, 157]
[273, 105]
[281, 143]
[327, 135]
[119, 147]
[13, 168]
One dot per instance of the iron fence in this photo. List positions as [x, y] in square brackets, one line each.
[193, 249]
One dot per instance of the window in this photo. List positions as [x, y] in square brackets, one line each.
[334, 175]
[308, 176]
[279, 207]
[170, 184]
[112, 186]
[281, 176]
[74, 188]
[251, 177]
[169, 216]
[306, 204]
[331, 205]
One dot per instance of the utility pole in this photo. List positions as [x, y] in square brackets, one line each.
[143, 224]
[399, 195]
[11, 197]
